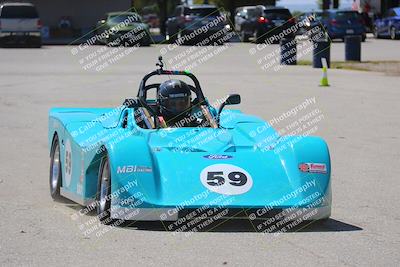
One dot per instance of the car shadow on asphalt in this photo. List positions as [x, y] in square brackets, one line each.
[240, 225]
[229, 225]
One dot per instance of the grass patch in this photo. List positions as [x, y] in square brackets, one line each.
[390, 67]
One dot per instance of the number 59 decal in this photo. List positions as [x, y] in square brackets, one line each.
[226, 179]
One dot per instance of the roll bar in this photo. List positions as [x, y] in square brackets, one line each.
[142, 93]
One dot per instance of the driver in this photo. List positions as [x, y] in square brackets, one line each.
[174, 99]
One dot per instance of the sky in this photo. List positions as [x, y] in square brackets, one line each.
[307, 5]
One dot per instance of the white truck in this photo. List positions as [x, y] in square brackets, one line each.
[19, 24]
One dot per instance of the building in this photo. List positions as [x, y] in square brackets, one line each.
[83, 14]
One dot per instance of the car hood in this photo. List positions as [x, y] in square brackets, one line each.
[173, 166]
[128, 27]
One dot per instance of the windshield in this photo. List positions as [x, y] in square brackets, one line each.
[253, 12]
[283, 14]
[347, 15]
[320, 15]
[18, 12]
[123, 18]
[202, 12]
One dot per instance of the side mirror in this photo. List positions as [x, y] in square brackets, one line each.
[233, 99]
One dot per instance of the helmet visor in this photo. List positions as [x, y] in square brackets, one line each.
[177, 104]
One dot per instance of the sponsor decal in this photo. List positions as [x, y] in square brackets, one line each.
[226, 179]
[218, 157]
[68, 163]
[133, 168]
[79, 189]
[313, 167]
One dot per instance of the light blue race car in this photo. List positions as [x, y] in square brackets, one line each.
[127, 164]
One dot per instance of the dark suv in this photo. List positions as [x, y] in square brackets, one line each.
[246, 21]
[264, 23]
[191, 23]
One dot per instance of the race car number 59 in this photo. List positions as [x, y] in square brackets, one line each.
[226, 179]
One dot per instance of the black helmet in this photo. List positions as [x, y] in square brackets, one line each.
[174, 98]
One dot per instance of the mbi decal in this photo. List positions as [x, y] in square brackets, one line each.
[133, 168]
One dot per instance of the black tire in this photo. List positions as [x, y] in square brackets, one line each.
[170, 38]
[244, 37]
[55, 170]
[96, 41]
[393, 34]
[113, 43]
[363, 38]
[259, 38]
[37, 43]
[103, 192]
[376, 34]
[179, 40]
[147, 41]
[147, 44]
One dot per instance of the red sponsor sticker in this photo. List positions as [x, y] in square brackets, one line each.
[303, 167]
[313, 167]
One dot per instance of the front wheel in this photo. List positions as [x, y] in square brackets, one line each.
[171, 38]
[104, 192]
[55, 170]
[363, 38]
[393, 34]
[376, 34]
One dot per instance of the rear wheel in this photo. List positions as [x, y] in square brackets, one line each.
[180, 38]
[259, 37]
[146, 41]
[37, 43]
[170, 38]
[104, 192]
[55, 170]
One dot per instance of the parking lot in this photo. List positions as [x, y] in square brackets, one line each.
[360, 124]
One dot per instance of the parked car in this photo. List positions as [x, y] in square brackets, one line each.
[246, 20]
[20, 24]
[263, 22]
[389, 25]
[122, 28]
[187, 22]
[340, 23]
